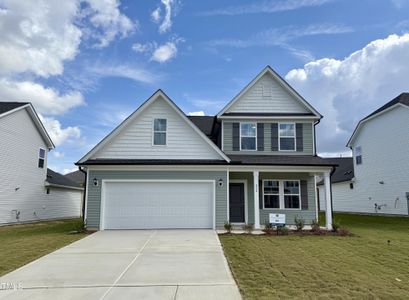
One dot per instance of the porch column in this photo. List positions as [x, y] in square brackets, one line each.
[256, 200]
[328, 209]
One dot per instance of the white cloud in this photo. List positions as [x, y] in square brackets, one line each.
[58, 134]
[166, 19]
[143, 48]
[346, 90]
[37, 36]
[196, 113]
[58, 154]
[108, 21]
[46, 100]
[165, 52]
[268, 6]
[281, 36]
[117, 70]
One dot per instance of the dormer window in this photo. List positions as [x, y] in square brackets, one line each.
[248, 136]
[41, 158]
[159, 132]
[287, 137]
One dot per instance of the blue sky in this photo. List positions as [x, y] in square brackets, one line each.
[86, 65]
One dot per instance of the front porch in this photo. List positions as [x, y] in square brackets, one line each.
[255, 194]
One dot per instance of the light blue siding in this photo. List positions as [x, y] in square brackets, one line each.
[94, 192]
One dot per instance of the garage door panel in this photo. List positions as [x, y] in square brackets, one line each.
[140, 205]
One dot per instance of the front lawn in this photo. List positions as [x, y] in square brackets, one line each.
[21, 244]
[364, 266]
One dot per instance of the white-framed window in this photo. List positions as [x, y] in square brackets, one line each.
[286, 136]
[292, 198]
[358, 155]
[271, 194]
[248, 136]
[41, 158]
[281, 194]
[159, 132]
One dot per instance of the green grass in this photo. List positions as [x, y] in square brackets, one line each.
[21, 244]
[364, 266]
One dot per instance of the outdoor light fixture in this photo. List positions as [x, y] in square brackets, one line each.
[220, 182]
[95, 182]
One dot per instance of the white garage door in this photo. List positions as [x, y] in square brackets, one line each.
[148, 205]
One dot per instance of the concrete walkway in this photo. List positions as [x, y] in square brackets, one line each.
[129, 264]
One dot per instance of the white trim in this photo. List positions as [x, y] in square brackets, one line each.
[316, 197]
[295, 136]
[103, 191]
[137, 112]
[361, 123]
[228, 196]
[240, 136]
[44, 159]
[246, 205]
[328, 208]
[281, 81]
[47, 184]
[165, 132]
[86, 196]
[313, 139]
[222, 135]
[281, 194]
[256, 190]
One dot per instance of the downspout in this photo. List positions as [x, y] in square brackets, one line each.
[85, 194]
[315, 137]
[330, 190]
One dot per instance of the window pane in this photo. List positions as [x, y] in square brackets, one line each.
[159, 138]
[291, 187]
[271, 187]
[287, 144]
[358, 160]
[41, 153]
[291, 201]
[358, 151]
[248, 143]
[287, 130]
[41, 163]
[271, 201]
[159, 125]
[248, 129]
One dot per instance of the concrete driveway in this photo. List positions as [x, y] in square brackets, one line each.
[129, 264]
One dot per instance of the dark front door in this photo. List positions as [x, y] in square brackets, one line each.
[236, 202]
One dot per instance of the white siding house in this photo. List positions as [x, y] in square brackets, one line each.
[24, 147]
[380, 145]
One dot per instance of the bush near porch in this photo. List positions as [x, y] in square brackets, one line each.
[364, 266]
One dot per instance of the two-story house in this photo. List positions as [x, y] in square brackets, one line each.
[163, 169]
[28, 190]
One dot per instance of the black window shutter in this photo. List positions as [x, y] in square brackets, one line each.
[260, 194]
[274, 137]
[304, 195]
[260, 136]
[299, 136]
[236, 136]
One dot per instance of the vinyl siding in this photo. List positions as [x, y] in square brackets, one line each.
[308, 215]
[342, 197]
[135, 140]
[385, 146]
[275, 99]
[21, 181]
[94, 193]
[308, 140]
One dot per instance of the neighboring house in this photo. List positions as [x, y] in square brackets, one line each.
[25, 145]
[77, 176]
[162, 169]
[342, 184]
[380, 145]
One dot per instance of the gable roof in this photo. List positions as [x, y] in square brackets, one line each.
[402, 99]
[158, 94]
[343, 172]
[282, 82]
[58, 180]
[209, 126]
[76, 176]
[7, 108]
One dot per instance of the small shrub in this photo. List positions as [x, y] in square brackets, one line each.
[282, 230]
[336, 226]
[315, 226]
[228, 227]
[78, 226]
[268, 228]
[343, 231]
[299, 223]
[248, 228]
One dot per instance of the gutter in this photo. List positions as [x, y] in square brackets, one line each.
[85, 194]
[63, 186]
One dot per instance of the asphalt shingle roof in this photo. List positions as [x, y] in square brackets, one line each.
[76, 176]
[59, 179]
[402, 98]
[344, 171]
[7, 106]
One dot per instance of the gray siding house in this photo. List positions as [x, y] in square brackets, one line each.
[163, 169]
